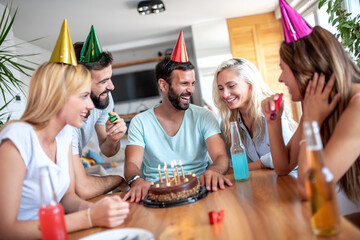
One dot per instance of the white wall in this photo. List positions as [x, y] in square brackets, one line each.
[207, 45]
[40, 56]
[16, 108]
[9, 41]
[136, 54]
[212, 47]
[151, 51]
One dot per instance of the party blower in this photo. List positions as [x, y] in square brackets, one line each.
[113, 118]
[277, 104]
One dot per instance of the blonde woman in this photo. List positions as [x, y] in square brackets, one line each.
[238, 90]
[59, 97]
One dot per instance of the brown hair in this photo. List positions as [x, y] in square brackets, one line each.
[105, 60]
[322, 53]
[165, 68]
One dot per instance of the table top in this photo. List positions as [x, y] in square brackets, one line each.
[266, 206]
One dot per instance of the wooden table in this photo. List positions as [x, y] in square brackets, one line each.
[265, 207]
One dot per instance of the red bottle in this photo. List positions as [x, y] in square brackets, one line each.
[51, 213]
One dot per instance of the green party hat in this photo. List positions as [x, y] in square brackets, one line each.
[91, 51]
[64, 51]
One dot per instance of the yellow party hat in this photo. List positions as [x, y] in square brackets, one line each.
[64, 50]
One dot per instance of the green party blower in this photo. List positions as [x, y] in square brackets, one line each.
[112, 118]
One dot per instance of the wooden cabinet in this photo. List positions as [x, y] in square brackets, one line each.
[257, 38]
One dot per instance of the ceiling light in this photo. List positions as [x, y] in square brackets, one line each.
[151, 6]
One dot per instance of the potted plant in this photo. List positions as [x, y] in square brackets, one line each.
[348, 27]
[9, 83]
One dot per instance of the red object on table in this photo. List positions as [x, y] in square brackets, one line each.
[52, 222]
[277, 104]
[215, 217]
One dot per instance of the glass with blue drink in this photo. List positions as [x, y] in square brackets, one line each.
[238, 155]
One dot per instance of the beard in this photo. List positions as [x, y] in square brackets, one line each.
[98, 102]
[175, 99]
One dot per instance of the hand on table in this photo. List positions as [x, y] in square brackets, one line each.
[138, 190]
[212, 180]
[317, 106]
[123, 187]
[116, 130]
[268, 105]
[109, 212]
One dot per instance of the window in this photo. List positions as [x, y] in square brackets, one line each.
[314, 16]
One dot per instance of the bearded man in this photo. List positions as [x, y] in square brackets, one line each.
[177, 130]
[97, 120]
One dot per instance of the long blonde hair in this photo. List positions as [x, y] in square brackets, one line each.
[322, 53]
[49, 88]
[259, 91]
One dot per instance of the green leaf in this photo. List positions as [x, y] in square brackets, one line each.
[6, 103]
[349, 42]
[10, 60]
[348, 27]
[333, 23]
[330, 5]
[321, 3]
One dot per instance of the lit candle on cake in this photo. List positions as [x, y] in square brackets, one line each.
[177, 172]
[166, 174]
[182, 170]
[161, 181]
[173, 170]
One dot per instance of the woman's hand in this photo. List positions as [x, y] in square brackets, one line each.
[268, 106]
[316, 101]
[109, 212]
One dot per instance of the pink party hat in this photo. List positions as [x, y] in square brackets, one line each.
[295, 27]
[179, 53]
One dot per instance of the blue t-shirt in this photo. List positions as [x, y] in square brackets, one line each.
[188, 144]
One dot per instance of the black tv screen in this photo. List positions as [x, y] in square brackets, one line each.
[135, 85]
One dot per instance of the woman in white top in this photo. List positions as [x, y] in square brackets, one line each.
[59, 96]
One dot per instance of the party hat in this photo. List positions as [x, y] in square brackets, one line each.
[179, 53]
[295, 27]
[64, 50]
[91, 51]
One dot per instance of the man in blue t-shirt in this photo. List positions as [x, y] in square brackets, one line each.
[174, 130]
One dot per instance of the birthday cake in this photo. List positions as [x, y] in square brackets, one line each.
[183, 188]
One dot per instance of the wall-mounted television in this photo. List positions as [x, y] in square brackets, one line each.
[134, 85]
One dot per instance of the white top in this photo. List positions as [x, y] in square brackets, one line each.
[26, 141]
[346, 206]
[256, 149]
